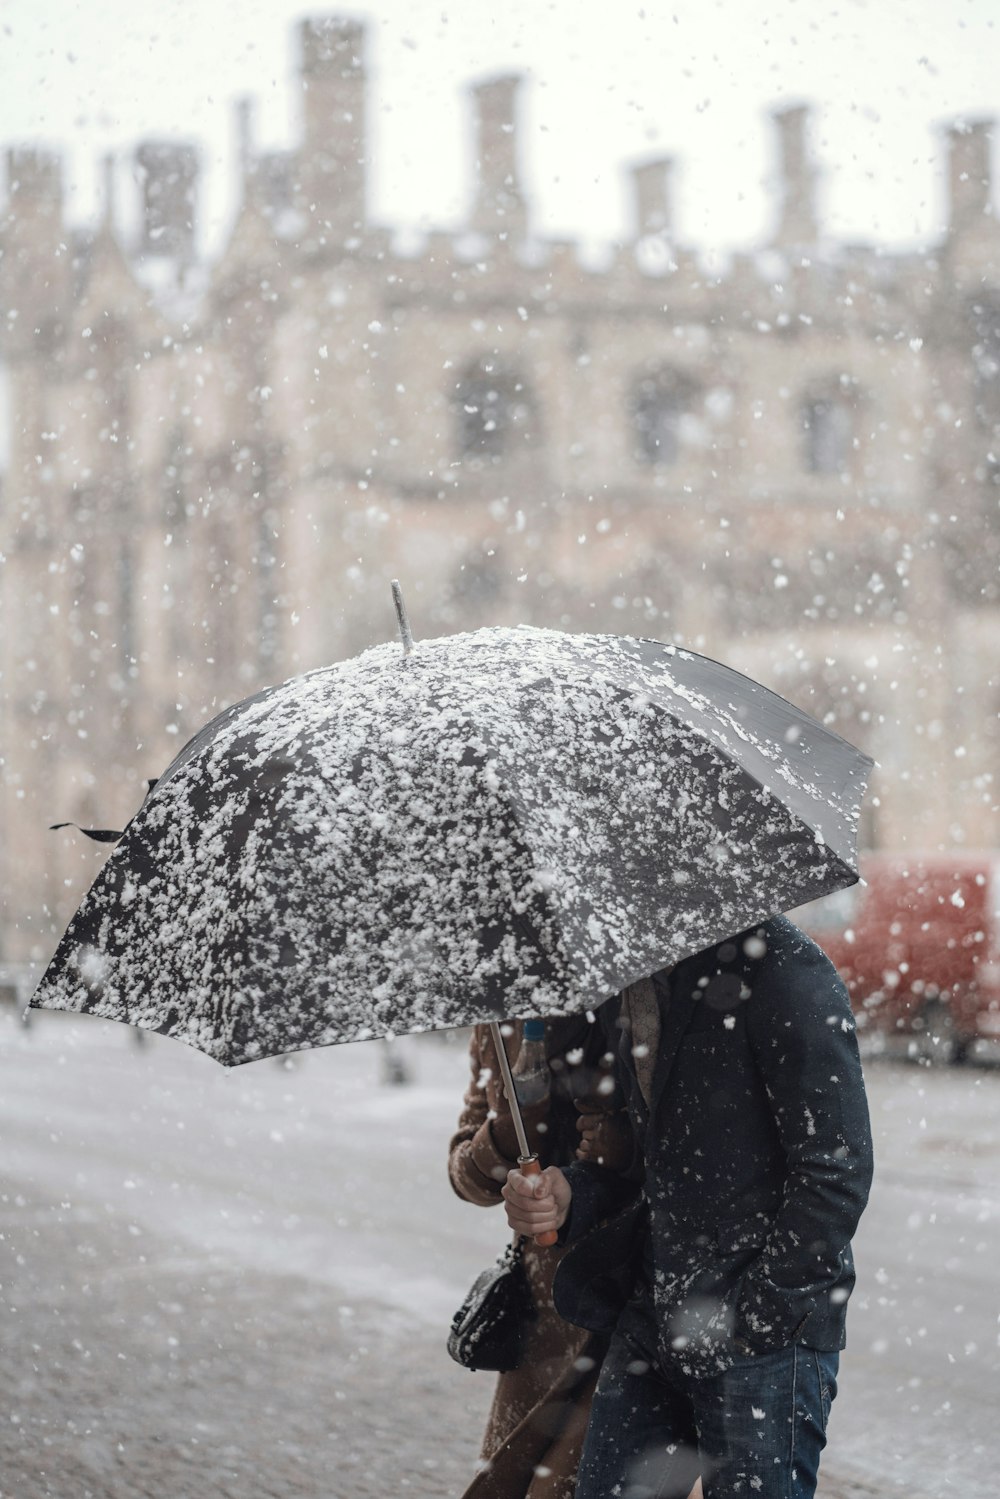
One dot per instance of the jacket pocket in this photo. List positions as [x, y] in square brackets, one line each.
[769, 1317]
[736, 1235]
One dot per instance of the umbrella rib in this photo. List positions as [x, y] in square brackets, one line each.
[809, 818]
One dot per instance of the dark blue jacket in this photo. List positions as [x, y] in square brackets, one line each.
[732, 1231]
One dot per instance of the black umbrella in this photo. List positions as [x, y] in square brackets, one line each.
[508, 822]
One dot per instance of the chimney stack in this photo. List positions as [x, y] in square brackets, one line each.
[970, 178]
[651, 198]
[332, 163]
[797, 224]
[499, 207]
[35, 186]
[168, 172]
[35, 278]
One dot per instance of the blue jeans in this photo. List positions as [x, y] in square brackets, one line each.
[754, 1432]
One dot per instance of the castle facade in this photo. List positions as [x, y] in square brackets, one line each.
[213, 470]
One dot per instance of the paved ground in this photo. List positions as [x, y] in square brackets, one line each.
[235, 1286]
[131, 1373]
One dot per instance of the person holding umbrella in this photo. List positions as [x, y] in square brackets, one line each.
[728, 1238]
[568, 1104]
[522, 822]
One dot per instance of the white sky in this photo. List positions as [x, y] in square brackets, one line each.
[609, 83]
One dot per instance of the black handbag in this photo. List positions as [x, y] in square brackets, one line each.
[487, 1331]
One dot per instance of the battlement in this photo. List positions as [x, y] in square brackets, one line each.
[315, 195]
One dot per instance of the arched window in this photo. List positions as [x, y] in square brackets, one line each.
[659, 403]
[829, 425]
[495, 410]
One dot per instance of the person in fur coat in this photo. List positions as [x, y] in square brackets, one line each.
[535, 1429]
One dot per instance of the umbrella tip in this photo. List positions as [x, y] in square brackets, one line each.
[406, 634]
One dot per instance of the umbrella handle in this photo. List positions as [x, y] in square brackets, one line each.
[530, 1165]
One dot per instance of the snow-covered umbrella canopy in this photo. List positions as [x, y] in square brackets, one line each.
[500, 823]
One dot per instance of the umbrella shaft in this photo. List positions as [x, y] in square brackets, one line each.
[508, 1087]
[403, 618]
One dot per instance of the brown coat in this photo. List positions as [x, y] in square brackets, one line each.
[536, 1425]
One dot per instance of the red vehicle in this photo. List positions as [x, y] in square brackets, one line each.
[918, 945]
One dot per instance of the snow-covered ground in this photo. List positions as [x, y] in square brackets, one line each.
[238, 1284]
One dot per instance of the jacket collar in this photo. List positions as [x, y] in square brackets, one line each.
[678, 992]
[676, 1004]
[677, 1000]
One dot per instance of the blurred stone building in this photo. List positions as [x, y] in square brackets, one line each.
[211, 471]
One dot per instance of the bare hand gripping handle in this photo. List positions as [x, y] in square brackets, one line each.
[528, 1162]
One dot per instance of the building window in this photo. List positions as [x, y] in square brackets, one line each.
[985, 321]
[659, 404]
[828, 425]
[496, 413]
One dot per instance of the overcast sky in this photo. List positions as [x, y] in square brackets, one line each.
[608, 83]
